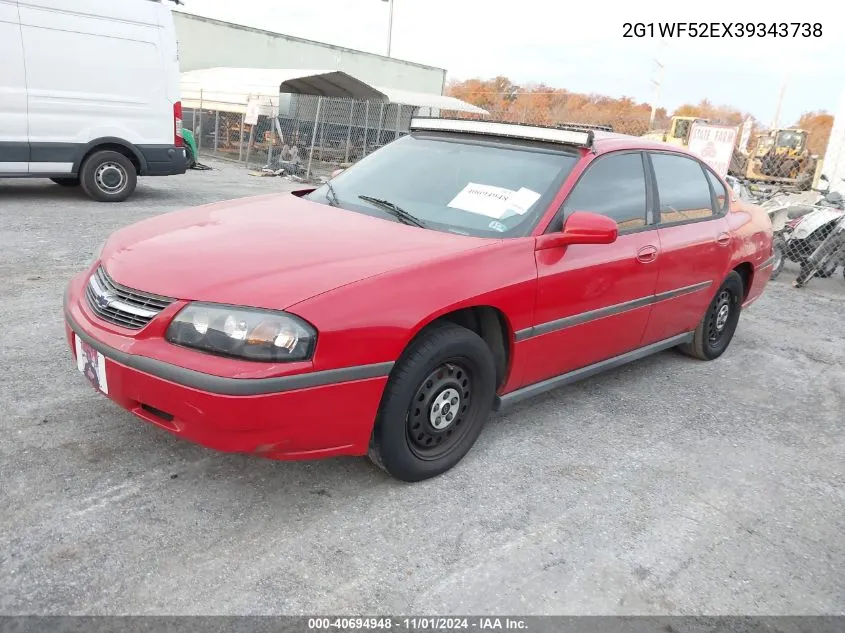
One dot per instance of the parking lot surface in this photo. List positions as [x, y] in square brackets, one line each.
[669, 486]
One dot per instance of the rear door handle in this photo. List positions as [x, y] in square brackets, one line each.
[723, 239]
[647, 254]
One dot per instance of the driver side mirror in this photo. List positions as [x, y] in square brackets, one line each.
[582, 227]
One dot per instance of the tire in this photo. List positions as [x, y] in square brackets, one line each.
[447, 366]
[189, 153]
[710, 340]
[108, 176]
[828, 271]
[66, 182]
[779, 248]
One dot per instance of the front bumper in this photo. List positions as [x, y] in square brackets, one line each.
[299, 416]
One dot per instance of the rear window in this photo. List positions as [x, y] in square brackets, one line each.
[682, 189]
[456, 184]
[718, 190]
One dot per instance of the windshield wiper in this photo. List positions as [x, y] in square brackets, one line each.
[334, 200]
[396, 211]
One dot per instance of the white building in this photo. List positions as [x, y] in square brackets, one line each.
[834, 157]
[208, 43]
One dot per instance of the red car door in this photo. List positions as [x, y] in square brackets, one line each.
[695, 243]
[593, 301]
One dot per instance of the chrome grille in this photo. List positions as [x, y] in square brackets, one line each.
[120, 305]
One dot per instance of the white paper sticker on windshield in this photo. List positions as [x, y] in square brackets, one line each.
[521, 201]
[482, 199]
[494, 202]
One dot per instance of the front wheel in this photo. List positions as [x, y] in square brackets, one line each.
[435, 404]
[108, 176]
[716, 329]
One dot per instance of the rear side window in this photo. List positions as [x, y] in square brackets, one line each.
[613, 186]
[682, 189]
[718, 191]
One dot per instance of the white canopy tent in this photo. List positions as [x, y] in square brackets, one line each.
[304, 100]
[230, 90]
[428, 103]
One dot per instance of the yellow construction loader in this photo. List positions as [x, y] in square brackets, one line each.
[678, 132]
[781, 156]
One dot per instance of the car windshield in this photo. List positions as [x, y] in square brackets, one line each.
[483, 188]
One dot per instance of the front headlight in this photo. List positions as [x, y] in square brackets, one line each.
[248, 333]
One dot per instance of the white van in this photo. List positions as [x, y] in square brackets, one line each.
[89, 93]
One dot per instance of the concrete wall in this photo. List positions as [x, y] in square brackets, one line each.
[207, 43]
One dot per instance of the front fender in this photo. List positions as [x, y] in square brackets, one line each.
[377, 317]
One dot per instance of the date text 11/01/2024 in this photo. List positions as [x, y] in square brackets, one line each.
[722, 29]
[416, 624]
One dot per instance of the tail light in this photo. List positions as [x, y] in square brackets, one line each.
[178, 141]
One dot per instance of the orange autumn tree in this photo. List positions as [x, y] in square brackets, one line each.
[818, 125]
[542, 104]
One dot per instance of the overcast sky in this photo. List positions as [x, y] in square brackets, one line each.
[578, 44]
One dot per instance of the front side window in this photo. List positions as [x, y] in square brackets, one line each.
[682, 189]
[614, 186]
[458, 184]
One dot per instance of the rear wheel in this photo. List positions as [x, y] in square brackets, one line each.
[435, 404]
[66, 182]
[108, 176]
[716, 329]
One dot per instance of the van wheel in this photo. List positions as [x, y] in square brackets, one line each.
[108, 176]
[66, 182]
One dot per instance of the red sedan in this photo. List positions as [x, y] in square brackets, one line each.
[457, 270]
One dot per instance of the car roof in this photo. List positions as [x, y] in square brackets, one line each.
[589, 137]
[604, 142]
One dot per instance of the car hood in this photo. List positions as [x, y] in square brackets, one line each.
[267, 251]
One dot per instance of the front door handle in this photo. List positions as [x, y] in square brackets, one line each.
[723, 239]
[647, 254]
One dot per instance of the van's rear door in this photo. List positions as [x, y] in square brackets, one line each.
[169, 50]
[14, 133]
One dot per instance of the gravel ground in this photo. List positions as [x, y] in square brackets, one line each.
[667, 486]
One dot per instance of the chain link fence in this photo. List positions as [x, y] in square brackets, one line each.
[302, 136]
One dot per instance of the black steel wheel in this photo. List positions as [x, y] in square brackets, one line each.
[716, 328]
[438, 409]
[719, 316]
[435, 403]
